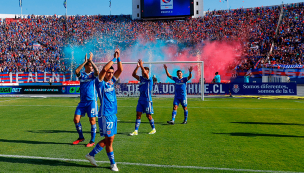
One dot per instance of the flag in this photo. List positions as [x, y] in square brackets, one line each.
[20, 3]
[110, 3]
[64, 3]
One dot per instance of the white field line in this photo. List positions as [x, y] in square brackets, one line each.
[164, 107]
[7, 100]
[150, 165]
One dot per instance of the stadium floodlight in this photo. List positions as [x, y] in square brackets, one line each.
[174, 62]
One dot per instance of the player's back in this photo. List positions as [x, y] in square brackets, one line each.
[87, 87]
[107, 96]
[145, 89]
[180, 86]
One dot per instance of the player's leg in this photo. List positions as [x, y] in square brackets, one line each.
[139, 110]
[77, 116]
[93, 132]
[101, 144]
[184, 104]
[92, 113]
[110, 152]
[174, 111]
[149, 111]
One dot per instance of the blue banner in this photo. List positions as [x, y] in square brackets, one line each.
[130, 89]
[264, 89]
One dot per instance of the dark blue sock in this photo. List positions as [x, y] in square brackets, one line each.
[79, 130]
[174, 115]
[152, 123]
[93, 132]
[137, 123]
[186, 115]
[111, 157]
[96, 150]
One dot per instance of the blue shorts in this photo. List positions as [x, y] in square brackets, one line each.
[182, 101]
[107, 125]
[89, 107]
[145, 107]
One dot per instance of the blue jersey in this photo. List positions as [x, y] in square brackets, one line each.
[217, 78]
[145, 89]
[180, 87]
[107, 97]
[87, 87]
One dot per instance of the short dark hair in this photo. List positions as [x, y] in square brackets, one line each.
[111, 68]
[216, 73]
[147, 68]
[179, 71]
[87, 63]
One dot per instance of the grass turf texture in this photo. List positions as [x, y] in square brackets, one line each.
[236, 133]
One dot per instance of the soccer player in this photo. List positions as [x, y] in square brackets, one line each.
[88, 99]
[107, 119]
[144, 104]
[180, 96]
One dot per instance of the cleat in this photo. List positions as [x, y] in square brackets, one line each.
[91, 159]
[185, 122]
[77, 141]
[114, 167]
[152, 132]
[170, 122]
[133, 133]
[90, 144]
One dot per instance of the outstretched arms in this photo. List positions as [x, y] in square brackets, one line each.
[119, 64]
[135, 71]
[106, 68]
[94, 66]
[190, 72]
[168, 74]
[145, 72]
[77, 71]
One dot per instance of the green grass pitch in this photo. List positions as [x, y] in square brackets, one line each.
[222, 135]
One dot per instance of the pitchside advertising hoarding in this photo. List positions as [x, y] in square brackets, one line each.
[126, 89]
[166, 8]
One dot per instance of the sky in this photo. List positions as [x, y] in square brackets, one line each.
[94, 7]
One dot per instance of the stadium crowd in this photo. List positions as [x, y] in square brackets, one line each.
[35, 43]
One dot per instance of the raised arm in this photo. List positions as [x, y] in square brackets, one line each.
[77, 71]
[145, 72]
[106, 68]
[119, 64]
[190, 73]
[168, 74]
[94, 66]
[135, 71]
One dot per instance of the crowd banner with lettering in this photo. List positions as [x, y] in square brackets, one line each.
[131, 89]
[34, 77]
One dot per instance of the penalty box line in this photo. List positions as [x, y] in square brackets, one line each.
[150, 165]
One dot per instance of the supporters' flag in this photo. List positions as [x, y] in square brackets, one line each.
[20, 3]
[110, 3]
[64, 3]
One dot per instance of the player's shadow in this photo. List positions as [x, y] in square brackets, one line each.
[267, 123]
[47, 162]
[258, 134]
[56, 131]
[31, 142]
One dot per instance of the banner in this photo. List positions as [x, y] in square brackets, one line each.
[264, 89]
[34, 77]
[130, 89]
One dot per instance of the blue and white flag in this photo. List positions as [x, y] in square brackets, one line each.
[110, 3]
[20, 3]
[64, 3]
